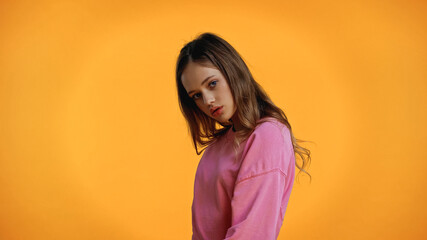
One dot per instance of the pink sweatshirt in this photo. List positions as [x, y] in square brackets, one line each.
[246, 197]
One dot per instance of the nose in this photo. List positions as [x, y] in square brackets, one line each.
[208, 99]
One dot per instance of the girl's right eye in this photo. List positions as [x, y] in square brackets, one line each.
[195, 96]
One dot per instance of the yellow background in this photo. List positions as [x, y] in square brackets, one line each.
[93, 145]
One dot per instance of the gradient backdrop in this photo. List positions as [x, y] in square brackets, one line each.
[93, 145]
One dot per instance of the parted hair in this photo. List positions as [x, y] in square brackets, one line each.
[253, 104]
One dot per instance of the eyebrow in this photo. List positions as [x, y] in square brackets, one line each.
[201, 83]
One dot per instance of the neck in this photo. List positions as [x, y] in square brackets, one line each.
[236, 123]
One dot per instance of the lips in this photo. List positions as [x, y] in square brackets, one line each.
[214, 109]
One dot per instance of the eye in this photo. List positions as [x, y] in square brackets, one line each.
[196, 96]
[213, 83]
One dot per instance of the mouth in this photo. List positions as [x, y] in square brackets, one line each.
[216, 111]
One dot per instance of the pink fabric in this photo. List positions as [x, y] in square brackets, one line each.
[244, 197]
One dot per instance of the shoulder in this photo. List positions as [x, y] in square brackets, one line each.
[272, 131]
[270, 136]
[268, 148]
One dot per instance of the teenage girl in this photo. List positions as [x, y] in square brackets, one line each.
[244, 179]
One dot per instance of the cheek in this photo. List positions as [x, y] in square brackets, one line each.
[201, 106]
[227, 95]
[225, 92]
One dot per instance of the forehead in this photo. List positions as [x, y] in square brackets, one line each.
[195, 73]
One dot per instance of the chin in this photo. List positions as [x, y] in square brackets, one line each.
[224, 119]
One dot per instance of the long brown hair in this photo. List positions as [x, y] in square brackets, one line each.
[251, 100]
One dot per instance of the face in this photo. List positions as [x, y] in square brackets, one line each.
[209, 90]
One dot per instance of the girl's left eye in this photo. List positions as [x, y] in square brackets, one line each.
[212, 84]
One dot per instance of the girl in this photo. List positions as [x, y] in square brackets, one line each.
[244, 179]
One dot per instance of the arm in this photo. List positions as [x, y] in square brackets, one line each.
[256, 207]
[258, 202]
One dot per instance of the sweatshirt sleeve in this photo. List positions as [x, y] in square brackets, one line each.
[258, 202]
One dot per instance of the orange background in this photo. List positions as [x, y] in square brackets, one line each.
[93, 145]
